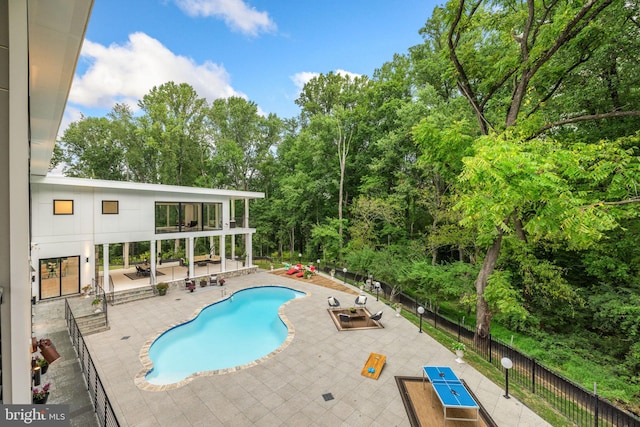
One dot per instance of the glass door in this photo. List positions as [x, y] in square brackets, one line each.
[59, 277]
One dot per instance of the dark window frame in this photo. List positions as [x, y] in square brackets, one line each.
[56, 208]
[117, 207]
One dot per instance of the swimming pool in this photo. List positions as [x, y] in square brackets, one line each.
[230, 333]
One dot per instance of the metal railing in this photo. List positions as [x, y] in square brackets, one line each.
[100, 293]
[579, 405]
[101, 404]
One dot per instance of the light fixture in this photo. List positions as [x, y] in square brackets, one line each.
[36, 375]
[344, 270]
[48, 351]
[420, 312]
[87, 260]
[507, 364]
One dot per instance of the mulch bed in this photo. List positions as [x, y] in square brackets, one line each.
[425, 412]
[317, 279]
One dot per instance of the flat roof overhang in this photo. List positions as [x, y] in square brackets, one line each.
[56, 32]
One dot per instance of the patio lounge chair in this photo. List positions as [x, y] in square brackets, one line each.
[344, 319]
[333, 302]
[376, 316]
[361, 301]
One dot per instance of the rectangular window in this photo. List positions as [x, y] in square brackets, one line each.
[176, 217]
[168, 217]
[212, 213]
[63, 207]
[109, 207]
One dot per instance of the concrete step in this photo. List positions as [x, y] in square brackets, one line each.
[93, 323]
[122, 297]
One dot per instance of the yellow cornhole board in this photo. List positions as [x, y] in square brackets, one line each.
[374, 365]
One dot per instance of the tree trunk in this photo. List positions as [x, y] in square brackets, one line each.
[483, 313]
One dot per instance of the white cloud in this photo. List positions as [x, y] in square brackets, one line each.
[302, 78]
[348, 73]
[235, 13]
[125, 73]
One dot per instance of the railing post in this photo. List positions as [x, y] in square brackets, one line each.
[490, 349]
[533, 376]
[595, 409]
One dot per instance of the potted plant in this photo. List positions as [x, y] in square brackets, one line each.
[398, 308]
[44, 366]
[221, 282]
[190, 285]
[86, 289]
[40, 395]
[162, 288]
[203, 282]
[96, 303]
[459, 348]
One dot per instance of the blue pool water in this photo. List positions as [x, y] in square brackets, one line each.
[229, 333]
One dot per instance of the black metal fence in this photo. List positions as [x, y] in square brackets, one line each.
[579, 405]
[99, 398]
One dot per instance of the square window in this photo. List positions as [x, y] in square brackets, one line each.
[110, 207]
[63, 207]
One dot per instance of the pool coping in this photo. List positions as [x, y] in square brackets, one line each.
[140, 378]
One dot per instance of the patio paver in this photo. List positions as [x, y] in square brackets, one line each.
[286, 389]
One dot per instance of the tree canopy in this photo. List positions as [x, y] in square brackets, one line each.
[495, 166]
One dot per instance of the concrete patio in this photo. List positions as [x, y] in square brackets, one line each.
[288, 388]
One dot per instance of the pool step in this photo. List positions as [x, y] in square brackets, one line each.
[122, 297]
[92, 323]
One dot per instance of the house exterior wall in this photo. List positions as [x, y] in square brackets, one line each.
[55, 236]
[15, 310]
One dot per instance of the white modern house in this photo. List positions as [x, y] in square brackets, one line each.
[56, 233]
[75, 223]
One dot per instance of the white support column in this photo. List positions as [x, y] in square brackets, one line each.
[152, 262]
[125, 254]
[15, 271]
[248, 242]
[245, 220]
[105, 267]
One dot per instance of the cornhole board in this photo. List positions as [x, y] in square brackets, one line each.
[373, 367]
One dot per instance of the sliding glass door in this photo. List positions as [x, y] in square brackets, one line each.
[59, 277]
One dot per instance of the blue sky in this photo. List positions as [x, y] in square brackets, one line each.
[261, 50]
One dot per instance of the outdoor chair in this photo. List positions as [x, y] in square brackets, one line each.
[344, 319]
[376, 316]
[361, 301]
[333, 302]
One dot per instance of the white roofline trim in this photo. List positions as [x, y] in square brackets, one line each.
[125, 185]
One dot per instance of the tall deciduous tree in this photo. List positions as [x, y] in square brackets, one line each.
[174, 124]
[242, 141]
[331, 103]
[512, 62]
[90, 149]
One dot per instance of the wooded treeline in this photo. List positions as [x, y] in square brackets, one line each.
[495, 166]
